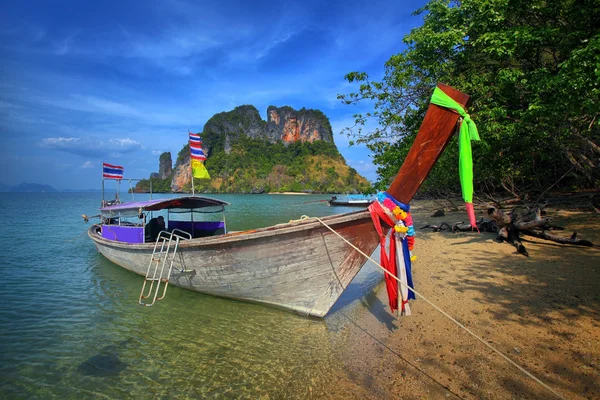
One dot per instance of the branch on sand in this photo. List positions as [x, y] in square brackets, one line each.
[509, 225]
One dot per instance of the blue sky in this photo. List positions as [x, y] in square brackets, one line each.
[86, 82]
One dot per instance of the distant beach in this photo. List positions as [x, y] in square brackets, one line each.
[289, 193]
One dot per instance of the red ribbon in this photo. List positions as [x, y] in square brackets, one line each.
[387, 261]
[471, 214]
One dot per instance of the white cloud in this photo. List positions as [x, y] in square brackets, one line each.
[88, 164]
[176, 44]
[124, 143]
[90, 146]
[262, 46]
[6, 105]
[365, 168]
[64, 45]
[97, 104]
[147, 113]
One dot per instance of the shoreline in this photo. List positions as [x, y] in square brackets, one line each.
[543, 312]
[288, 193]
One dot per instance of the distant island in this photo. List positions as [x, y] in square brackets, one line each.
[293, 151]
[40, 188]
[28, 188]
[80, 190]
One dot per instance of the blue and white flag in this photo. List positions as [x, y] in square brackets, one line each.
[112, 171]
[195, 140]
[197, 154]
[196, 151]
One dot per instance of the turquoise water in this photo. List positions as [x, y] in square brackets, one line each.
[70, 325]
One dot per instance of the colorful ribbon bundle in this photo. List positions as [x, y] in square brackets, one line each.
[404, 223]
[398, 262]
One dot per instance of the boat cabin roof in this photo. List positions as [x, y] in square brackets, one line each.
[187, 202]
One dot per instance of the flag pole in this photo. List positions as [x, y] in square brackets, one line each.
[193, 193]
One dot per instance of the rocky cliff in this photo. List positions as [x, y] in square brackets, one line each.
[242, 120]
[283, 124]
[182, 173]
[289, 125]
[165, 165]
[291, 150]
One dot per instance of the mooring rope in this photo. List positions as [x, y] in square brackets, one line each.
[445, 314]
[80, 235]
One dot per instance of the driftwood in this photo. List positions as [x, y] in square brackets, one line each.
[439, 213]
[482, 225]
[582, 201]
[531, 222]
[509, 225]
[595, 203]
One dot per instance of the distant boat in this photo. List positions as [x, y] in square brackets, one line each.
[351, 201]
[300, 266]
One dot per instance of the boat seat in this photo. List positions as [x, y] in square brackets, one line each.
[199, 228]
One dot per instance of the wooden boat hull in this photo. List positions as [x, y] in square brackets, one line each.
[300, 266]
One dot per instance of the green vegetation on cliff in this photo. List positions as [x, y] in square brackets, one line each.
[158, 185]
[247, 155]
[257, 165]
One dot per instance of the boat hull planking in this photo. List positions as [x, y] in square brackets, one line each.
[300, 266]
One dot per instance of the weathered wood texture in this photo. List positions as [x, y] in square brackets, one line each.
[302, 267]
[512, 224]
[434, 134]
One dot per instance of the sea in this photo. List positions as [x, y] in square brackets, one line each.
[71, 325]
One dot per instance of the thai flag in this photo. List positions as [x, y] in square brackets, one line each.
[195, 140]
[197, 153]
[196, 147]
[112, 171]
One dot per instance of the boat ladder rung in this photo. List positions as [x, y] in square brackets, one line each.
[163, 280]
[158, 272]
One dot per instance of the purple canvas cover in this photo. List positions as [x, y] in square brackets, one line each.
[160, 204]
[127, 234]
[186, 226]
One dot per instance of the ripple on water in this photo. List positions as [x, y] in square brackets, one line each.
[70, 325]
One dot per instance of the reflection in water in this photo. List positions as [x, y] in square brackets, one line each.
[82, 334]
[105, 363]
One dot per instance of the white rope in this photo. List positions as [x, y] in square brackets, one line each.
[529, 374]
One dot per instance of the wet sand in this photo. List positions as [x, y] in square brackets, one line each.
[542, 311]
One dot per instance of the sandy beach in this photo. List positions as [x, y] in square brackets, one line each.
[542, 311]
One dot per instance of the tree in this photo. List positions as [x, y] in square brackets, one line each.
[533, 71]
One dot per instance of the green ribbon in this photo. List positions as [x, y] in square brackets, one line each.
[468, 132]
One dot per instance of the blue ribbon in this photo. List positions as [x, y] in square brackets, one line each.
[381, 196]
[407, 263]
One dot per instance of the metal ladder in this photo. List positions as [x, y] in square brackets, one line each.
[159, 259]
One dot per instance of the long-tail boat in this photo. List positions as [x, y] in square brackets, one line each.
[351, 201]
[300, 266]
